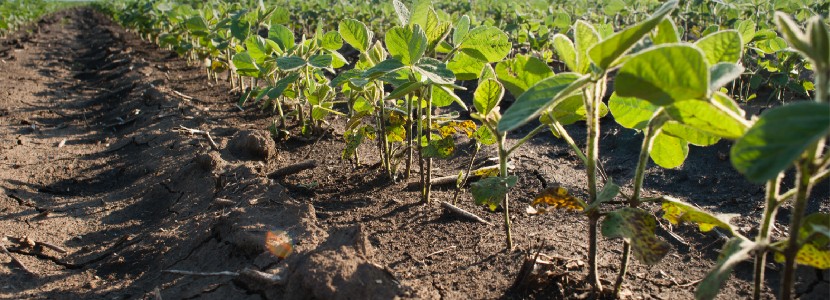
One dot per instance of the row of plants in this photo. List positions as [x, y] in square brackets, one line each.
[15, 14]
[675, 80]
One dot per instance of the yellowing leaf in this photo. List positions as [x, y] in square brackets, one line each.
[558, 197]
[677, 212]
[809, 255]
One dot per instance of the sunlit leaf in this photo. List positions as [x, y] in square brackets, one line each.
[669, 151]
[609, 50]
[521, 72]
[664, 75]
[722, 46]
[677, 212]
[492, 190]
[557, 197]
[631, 112]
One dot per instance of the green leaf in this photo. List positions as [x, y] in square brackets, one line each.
[664, 75]
[585, 37]
[331, 41]
[722, 46]
[747, 30]
[434, 71]
[607, 52]
[565, 50]
[384, 67]
[283, 36]
[778, 138]
[355, 33]
[689, 133]
[419, 12]
[320, 61]
[462, 27]
[484, 136]
[487, 96]
[290, 63]
[637, 228]
[444, 96]
[465, 67]
[257, 48]
[197, 25]
[677, 212]
[406, 44]
[491, 191]
[666, 33]
[572, 110]
[539, 97]
[404, 89]
[631, 112]
[435, 30]
[708, 118]
[668, 151]
[608, 192]
[486, 43]
[401, 11]
[521, 72]
[487, 72]
[722, 74]
[245, 65]
[735, 251]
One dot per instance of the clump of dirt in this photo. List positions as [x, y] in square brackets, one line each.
[254, 145]
[341, 268]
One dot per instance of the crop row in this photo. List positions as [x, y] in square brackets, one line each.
[675, 81]
[14, 14]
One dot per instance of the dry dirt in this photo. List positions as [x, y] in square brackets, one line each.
[102, 193]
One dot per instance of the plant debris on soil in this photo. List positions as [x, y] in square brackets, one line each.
[126, 174]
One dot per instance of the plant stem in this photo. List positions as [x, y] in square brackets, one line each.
[770, 210]
[428, 183]
[803, 185]
[568, 139]
[592, 151]
[408, 136]
[466, 175]
[526, 138]
[503, 154]
[418, 133]
[639, 175]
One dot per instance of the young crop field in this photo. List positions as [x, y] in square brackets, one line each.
[415, 149]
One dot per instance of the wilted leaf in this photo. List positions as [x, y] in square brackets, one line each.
[557, 197]
[637, 228]
[676, 212]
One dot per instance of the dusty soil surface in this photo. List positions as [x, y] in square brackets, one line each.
[103, 192]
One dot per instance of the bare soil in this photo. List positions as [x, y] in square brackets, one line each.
[102, 193]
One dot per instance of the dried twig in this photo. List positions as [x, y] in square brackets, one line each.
[294, 168]
[182, 272]
[201, 132]
[247, 274]
[458, 211]
[22, 265]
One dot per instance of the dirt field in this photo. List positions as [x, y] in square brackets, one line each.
[103, 192]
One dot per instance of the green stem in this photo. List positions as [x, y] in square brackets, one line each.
[428, 182]
[466, 175]
[418, 134]
[526, 138]
[803, 185]
[408, 136]
[592, 151]
[503, 155]
[770, 210]
[639, 176]
[557, 127]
